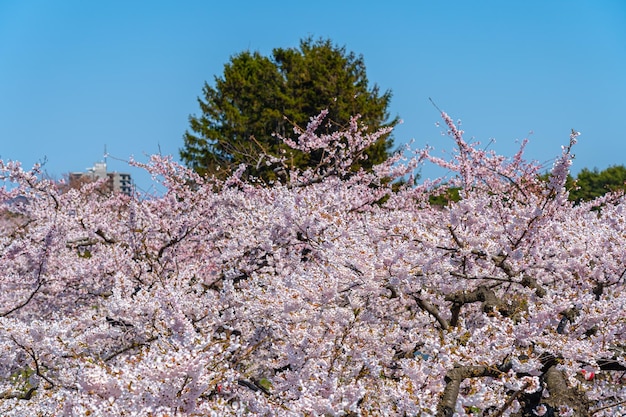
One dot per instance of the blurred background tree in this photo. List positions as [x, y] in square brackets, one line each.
[590, 184]
[587, 185]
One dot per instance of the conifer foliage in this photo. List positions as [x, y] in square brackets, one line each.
[330, 294]
[259, 97]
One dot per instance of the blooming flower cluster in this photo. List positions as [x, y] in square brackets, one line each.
[336, 293]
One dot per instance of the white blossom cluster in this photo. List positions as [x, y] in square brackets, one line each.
[335, 294]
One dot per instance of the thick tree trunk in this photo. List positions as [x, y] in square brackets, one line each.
[561, 394]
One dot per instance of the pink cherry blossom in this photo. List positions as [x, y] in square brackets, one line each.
[334, 293]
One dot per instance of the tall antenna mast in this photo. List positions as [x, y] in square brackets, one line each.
[105, 154]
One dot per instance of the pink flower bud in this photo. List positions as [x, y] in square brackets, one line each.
[588, 375]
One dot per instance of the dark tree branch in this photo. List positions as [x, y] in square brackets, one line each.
[454, 377]
[526, 281]
[130, 347]
[8, 395]
[482, 294]
[532, 283]
[25, 302]
[610, 365]
[455, 237]
[597, 410]
[500, 261]
[433, 311]
[510, 400]
[568, 315]
[173, 242]
[252, 385]
[31, 352]
[39, 280]
[108, 240]
[562, 394]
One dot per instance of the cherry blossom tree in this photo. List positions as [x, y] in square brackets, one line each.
[334, 293]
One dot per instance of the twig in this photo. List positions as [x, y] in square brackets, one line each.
[510, 400]
[596, 410]
[455, 237]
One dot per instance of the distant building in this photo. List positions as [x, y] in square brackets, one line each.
[117, 182]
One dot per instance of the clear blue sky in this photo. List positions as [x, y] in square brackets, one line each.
[77, 75]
